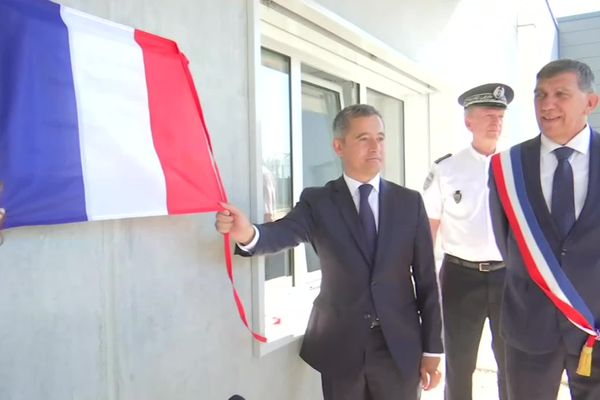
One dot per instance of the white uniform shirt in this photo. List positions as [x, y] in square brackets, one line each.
[456, 193]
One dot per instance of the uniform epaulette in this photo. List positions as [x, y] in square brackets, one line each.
[439, 160]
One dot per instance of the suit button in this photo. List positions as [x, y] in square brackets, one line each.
[563, 252]
[373, 284]
[367, 316]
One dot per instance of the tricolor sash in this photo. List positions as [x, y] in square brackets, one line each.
[541, 263]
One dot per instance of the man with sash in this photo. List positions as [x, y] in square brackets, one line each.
[545, 208]
[472, 273]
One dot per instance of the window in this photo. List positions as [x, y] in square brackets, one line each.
[392, 111]
[289, 163]
[306, 74]
[274, 99]
[323, 96]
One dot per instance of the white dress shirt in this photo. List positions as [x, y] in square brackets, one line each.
[354, 185]
[580, 163]
[456, 193]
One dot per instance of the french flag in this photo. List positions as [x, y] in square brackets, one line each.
[97, 121]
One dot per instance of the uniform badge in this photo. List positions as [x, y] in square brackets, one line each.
[428, 181]
[457, 195]
[499, 93]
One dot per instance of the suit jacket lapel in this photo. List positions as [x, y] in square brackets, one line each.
[592, 197]
[386, 223]
[343, 199]
[530, 156]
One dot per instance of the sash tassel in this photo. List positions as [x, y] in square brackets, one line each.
[584, 368]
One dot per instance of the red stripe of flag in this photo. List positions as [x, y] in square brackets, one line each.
[181, 140]
[178, 130]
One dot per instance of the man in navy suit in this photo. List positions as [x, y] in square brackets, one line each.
[564, 193]
[375, 328]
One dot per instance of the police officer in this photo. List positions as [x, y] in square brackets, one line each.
[472, 272]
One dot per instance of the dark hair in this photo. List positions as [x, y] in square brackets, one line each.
[585, 76]
[341, 122]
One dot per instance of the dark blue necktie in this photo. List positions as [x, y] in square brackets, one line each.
[563, 198]
[367, 219]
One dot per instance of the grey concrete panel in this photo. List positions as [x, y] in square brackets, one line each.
[581, 37]
[580, 51]
[579, 22]
[53, 313]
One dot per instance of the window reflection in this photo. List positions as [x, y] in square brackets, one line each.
[320, 164]
[274, 98]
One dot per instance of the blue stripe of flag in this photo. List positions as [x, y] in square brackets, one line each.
[40, 161]
[563, 281]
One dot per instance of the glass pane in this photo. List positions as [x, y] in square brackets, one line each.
[320, 164]
[274, 98]
[392, 111]
[348, 88]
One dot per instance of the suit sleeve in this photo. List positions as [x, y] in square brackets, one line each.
[285, 233]
[499, 220]
[426, 287]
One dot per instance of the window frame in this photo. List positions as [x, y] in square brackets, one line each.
[309, 34]
[303, 276]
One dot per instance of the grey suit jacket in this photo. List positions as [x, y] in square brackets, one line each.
[529, 321]
[401, 289]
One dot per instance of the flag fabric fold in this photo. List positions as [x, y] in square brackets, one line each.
[98, 121]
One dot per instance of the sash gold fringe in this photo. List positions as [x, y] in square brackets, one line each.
[584, 368]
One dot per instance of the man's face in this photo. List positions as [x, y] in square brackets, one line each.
[485, 122]
[362, 148]
[561, 107]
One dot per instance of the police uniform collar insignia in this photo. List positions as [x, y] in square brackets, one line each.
[442, 158]
[430, 176]
[457, 195]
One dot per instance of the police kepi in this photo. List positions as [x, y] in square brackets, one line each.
[488, 95]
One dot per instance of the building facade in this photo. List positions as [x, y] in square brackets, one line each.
[142, 308]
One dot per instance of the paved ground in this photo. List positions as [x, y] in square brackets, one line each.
[484, 380]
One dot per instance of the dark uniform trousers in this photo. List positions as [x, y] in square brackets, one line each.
[469, 297]
[378, 379]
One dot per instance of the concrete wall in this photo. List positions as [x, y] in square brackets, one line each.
[142, 308]
[579, 39]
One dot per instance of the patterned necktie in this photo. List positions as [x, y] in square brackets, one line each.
[367, 219]
[563, 198]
